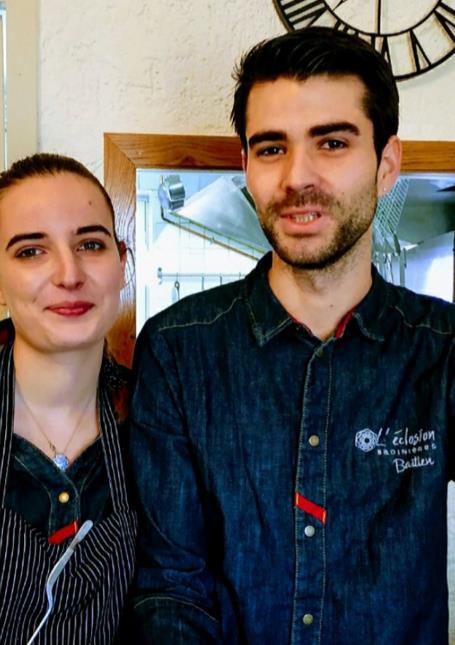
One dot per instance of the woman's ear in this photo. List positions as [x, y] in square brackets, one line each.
[123, 252]
[389, 166]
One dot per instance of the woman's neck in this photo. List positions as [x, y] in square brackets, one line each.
[56, 399]
[63, 379]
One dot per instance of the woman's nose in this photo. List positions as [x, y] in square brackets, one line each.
[68, 271]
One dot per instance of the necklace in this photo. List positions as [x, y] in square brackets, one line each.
[60, 459]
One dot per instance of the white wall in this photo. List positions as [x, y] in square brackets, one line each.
[165, 66]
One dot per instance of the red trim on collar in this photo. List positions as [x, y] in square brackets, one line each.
[339, 331]
[311, 508]
[64, 533]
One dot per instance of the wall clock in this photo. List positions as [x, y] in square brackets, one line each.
[414, 36]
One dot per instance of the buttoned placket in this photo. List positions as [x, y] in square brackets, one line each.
[311, 514]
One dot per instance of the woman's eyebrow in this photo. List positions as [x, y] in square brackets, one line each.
[93, 228]
[25, 236]
[82, 230]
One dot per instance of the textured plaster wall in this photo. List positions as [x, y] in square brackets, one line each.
[165, 66]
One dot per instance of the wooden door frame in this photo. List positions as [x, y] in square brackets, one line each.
[125, 153]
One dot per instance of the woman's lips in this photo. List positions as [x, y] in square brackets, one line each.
[71, 308]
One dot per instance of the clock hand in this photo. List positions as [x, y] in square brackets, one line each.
[341, 2]
[378, 30]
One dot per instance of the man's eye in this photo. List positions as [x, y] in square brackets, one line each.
[270, 151]
[333, 144]
[29, 252]
[92, 245]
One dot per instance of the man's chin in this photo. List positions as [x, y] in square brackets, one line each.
[307, 261]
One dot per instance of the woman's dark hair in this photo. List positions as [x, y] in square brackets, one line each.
[44, 163]
[320, 51]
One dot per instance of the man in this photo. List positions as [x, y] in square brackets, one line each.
[291, 431]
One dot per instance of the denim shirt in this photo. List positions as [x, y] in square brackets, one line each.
[293, 490]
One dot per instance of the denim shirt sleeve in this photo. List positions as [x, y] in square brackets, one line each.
[451, 404]
[173, 601]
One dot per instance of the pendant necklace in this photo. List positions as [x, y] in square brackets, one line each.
[60, 459]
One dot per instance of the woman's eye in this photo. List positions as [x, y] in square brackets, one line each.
[92, 245]
[29, 252]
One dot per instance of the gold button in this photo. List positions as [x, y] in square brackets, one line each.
[63, 498]
[313, 440]
[307, 619]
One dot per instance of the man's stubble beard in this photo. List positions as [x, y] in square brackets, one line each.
[353, 219]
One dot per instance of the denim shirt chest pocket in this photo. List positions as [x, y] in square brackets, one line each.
[393, 433]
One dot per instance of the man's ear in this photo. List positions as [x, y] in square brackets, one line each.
[389, 166]
[244, 159]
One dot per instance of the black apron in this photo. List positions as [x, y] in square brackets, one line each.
[90, 592]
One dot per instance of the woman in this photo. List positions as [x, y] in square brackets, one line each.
[62, 400]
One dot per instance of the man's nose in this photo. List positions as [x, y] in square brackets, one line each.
[299, 172]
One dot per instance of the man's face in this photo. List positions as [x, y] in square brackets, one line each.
[311, 167]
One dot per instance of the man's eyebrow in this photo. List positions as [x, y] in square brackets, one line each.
[93, 228]
[24, 236]
[315, 131]
[330, 128]
[266, 135]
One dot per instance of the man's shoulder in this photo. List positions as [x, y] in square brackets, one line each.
[203, 308]
[419, 310]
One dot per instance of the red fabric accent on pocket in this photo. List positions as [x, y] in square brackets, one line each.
[310, 507]
[64, 533]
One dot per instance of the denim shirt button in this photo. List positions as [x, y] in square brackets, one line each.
[64, 498]
[314, 440]
[307, 619]
[309, 530]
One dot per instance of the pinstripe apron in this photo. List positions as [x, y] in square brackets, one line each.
[90, 592]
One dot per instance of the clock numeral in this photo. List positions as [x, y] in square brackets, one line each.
[421, 59]
[342, 26]
[307, 12]
[382, 48]
[447, 22]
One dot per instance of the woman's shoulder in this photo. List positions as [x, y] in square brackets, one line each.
[6, 332]
[116, 378]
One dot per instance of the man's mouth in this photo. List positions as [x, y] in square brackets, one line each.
[303, 218]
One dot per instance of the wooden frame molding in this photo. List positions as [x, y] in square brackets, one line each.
[125, 153]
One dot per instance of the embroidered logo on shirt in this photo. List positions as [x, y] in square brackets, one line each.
[366, 440]
[405, 449]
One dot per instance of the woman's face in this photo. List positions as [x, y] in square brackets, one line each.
[60, 270]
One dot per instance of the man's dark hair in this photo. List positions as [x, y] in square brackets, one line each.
[320, 51]
[44, 163]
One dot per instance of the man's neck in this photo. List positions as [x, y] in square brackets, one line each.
[320, 298]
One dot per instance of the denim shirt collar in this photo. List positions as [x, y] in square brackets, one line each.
[268, 316]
